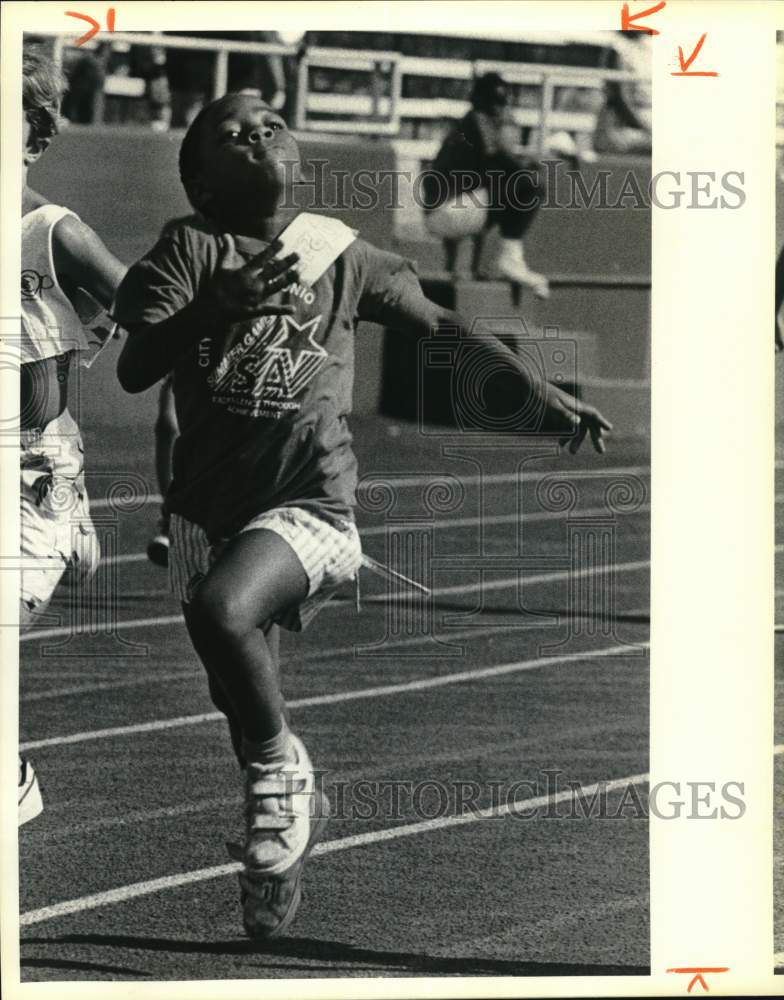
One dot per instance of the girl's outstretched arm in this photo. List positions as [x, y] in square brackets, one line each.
[398, 302]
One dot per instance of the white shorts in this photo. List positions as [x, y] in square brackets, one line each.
[459, 216]
[55, 526]
[330, 553]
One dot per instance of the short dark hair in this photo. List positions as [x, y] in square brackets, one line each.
[43, 86]
[489, 91]
[190, 155]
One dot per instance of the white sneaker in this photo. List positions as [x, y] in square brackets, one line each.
[278, 806]
[511, 265]
[30, 801]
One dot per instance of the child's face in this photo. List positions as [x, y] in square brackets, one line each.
[248, 156]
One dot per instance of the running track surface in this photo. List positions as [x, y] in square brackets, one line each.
[125, 876]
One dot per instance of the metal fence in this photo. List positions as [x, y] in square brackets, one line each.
[381, 93]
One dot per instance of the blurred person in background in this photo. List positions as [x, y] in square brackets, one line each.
[190, 74]
[85, 73]
[573, 145]
[634, 56]
[619, 129]
[478, 181]
[625, 122]
[257, 76]
[157, 89]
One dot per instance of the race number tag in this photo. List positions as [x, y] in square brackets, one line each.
[318, 240]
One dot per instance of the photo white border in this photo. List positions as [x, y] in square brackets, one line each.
[712, 483]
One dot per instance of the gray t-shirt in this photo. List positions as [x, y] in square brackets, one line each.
[263, 404]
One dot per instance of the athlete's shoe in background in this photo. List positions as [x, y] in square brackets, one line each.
[30, 801]
[511, 264]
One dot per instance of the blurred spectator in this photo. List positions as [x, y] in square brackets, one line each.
[619, 129]
[623, 108]
[157, 90]
[190, 74]
[85, 72]
[477, 181]
[576, 145]
[634, 55]
[262, 75]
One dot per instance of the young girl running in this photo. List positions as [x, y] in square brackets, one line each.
[261, 502]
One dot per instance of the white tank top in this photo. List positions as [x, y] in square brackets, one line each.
[50, 326]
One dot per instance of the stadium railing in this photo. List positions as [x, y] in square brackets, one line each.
[346, 91]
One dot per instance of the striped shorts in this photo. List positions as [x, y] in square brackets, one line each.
[330, 553]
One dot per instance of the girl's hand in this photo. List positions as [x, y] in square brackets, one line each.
[577, 417]
[241, 292]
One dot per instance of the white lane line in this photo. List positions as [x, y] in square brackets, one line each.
[422, 478]
[475, 632]
[136, 889]
[334, 777]
[378, 691]
[53, 633]
[127, 682]
[313, 656]
[552, 577]
[505, 477]
[778, 749]
[438, 525]
[460, 588]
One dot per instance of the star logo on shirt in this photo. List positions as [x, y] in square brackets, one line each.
[270, 367]
[296, 341]
[295, 357]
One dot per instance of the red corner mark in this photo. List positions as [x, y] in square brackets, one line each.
[687, 62]
[95, 27]
[627, 18]
[697, 974]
